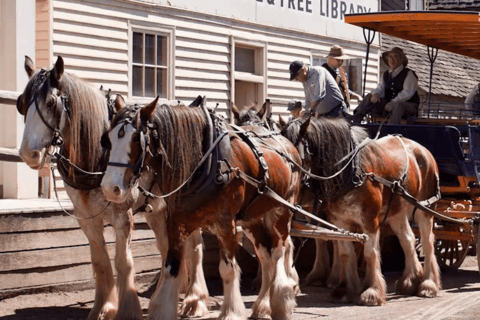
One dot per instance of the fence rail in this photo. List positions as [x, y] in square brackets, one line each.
[9, 154]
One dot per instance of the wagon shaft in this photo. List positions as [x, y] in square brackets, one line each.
[306, 230]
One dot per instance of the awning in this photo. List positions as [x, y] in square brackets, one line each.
[453, 31]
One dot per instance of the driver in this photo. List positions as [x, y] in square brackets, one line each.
[396, 95]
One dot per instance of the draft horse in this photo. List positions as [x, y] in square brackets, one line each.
[211, 177]
[351, 172]
[64, 112]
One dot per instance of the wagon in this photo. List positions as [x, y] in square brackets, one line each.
[450, 132]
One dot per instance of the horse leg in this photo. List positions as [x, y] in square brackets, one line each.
[282, 293]
[105, 305]
[412, 275]
[374, 286]
[334, 277]
[261, 307]
[196, 298]
[289, 267]
[321, 267]
[128, 303]
[349, 283]
[164, 302]
[431, 285]
[233, 307]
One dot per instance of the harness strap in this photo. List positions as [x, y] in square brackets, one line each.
[205, 156]
[361, 237]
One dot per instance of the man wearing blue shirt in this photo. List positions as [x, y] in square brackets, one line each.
[322, 94]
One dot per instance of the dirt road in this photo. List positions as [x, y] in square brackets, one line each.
[459, 299]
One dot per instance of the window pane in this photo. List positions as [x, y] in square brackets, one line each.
[245, 60]
[161, 51]
[149, 49]
[162, 82]
[149, 82]
[137, 47]
[355, 75]
[137, 79]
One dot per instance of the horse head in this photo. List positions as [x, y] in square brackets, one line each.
[127, 141]
[60, 110]
[249, 116]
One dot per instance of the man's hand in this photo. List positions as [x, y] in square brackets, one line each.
[374, 98]
[389, 106]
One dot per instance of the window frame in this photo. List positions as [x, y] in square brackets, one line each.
[165, 31]
[260, 60]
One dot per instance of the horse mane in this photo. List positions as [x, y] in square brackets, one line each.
[329, 141]
[179, 146]
[85, 128]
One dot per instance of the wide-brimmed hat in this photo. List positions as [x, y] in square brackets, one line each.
[398, 51]
[336, 52]
[294, 104]
[295, 67]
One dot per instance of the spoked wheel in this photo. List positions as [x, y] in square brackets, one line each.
[477, 233]
[451, 253]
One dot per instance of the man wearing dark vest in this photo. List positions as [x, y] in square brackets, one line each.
[396, 95]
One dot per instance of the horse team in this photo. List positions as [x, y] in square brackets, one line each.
[195, 171]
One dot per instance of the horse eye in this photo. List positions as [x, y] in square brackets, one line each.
[136, 137]
[121, 132]
[105, 141]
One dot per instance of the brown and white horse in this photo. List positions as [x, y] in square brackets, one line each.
[355, 200]
[63, 111]
[174, 142]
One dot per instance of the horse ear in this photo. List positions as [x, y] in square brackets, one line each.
[119, 102]
[204, 101]
[283, 122]
[304, 127]
[147, 111]
[196, 102]
[234, 113]
[263, 112]
[58, 69]
[29, 66]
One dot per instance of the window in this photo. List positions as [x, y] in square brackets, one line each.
[353, 69]
[150, 67]
[249, 74]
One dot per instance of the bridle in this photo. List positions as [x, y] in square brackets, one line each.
[143, 139]
[62, 106]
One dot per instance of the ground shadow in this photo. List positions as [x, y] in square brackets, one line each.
[49, 313]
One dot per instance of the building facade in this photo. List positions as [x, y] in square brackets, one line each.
[231, 51]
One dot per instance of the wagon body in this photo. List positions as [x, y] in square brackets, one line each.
[452, 134]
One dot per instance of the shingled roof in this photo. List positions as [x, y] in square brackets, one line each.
[452, 5]
[453, 75]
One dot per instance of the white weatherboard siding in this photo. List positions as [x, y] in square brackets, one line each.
[93, 39]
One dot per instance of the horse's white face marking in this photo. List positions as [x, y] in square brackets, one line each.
[36, 138]
[113, 184]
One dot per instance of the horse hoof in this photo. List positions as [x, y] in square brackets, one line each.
[194, 308]
[428, 289]
[406, 286]
[371, 297]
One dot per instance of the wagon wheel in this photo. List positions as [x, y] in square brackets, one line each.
[451, 253]
[477, 233]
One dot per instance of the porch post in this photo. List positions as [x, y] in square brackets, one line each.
[17, 39]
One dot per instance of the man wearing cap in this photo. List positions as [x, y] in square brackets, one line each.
[396, 93]
[295, 108]
[322, 94]
[335, 57]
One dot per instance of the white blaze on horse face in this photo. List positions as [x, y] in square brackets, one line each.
[113, 183]
[36, 138]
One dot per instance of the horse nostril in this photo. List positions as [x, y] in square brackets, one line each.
[117, 191]
[35, 155]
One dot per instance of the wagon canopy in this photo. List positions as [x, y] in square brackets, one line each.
[453, 31]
